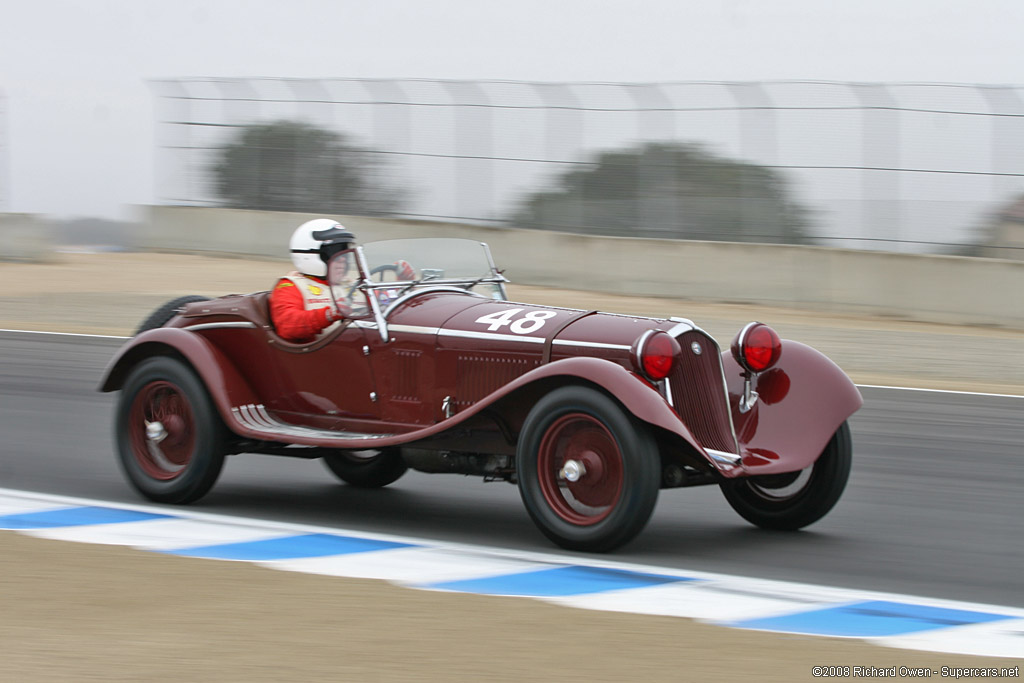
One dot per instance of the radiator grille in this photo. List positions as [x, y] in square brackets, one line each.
[699, 394]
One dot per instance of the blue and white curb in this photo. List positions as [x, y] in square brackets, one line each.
[886, 619]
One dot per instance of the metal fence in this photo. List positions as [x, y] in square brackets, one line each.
[904, 167]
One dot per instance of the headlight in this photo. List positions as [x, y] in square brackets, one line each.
[654, 354]
[757, 347]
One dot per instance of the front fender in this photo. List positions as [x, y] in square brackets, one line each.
[226, 386]
[802, 402]
[633, 392]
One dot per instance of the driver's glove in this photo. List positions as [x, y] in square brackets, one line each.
[405, 271]
[342, 311]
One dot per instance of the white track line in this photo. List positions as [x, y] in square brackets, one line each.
[68, 334]
[752, 584]
[938, 391]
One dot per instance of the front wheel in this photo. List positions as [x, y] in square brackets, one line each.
[588, 472]
[794, 500]
[170, 439]
[367, 469]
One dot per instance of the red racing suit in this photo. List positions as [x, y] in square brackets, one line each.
[301, 307]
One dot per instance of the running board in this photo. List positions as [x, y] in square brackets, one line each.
[255, 418]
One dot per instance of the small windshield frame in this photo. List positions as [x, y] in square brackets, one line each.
[434, 261]
[370, 279]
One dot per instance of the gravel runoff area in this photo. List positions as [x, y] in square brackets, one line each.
[71, 612]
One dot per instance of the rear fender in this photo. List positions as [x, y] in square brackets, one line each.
[222, 379]
[801, 402]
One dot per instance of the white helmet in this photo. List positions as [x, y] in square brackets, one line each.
[310, 241]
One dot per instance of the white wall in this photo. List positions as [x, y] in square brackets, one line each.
[944, 289]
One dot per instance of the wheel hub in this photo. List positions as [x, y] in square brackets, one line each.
[572, 470]
[155, 432]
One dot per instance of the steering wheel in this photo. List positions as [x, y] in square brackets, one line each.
[386, 268]
[379, 270]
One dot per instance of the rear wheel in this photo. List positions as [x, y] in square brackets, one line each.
[170, 439]
[367, 469]
[795, 499]
[162, 315]
[588, 472]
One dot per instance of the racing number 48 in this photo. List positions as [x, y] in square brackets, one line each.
[530, 322]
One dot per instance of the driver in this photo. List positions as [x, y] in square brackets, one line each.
[302, 304]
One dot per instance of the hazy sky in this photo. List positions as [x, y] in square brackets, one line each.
[79, 116]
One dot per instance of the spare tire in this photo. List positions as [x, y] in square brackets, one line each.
[162, 315]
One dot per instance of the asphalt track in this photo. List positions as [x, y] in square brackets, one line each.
[932, 509]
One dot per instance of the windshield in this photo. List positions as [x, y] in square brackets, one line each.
[434, 261]
[343, 277]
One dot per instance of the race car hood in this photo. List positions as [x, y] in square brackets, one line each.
[524, 328]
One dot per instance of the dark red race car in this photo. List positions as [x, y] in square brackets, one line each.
[588, 413]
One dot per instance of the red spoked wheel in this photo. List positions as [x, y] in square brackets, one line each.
[170, 439]
[588, 471]
[162, 428]
[580, 470]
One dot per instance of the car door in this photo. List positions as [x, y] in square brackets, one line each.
[328, 383]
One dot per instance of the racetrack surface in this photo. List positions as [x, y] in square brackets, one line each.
[932, 509]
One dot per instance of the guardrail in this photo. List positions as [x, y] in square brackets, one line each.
[930, 288]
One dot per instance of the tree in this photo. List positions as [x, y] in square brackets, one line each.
[294, 166]
[672, 190]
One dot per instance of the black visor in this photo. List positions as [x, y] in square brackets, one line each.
[332, 241]
[337, 234]
[328, 250]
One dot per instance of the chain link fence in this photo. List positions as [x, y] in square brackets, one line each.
[902, 167]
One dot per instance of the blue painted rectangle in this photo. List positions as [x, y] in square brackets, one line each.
[871, 618]
[557, 581]
[288, 548]
[74, 516]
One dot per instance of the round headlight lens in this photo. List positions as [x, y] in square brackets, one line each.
[757, 347]
[656, 355]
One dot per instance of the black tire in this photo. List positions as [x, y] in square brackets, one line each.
[162, 315]
[182, 466]
[791, 501]
[367, 469]
[613, 498]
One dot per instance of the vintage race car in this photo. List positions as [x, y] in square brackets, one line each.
[590, 414]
